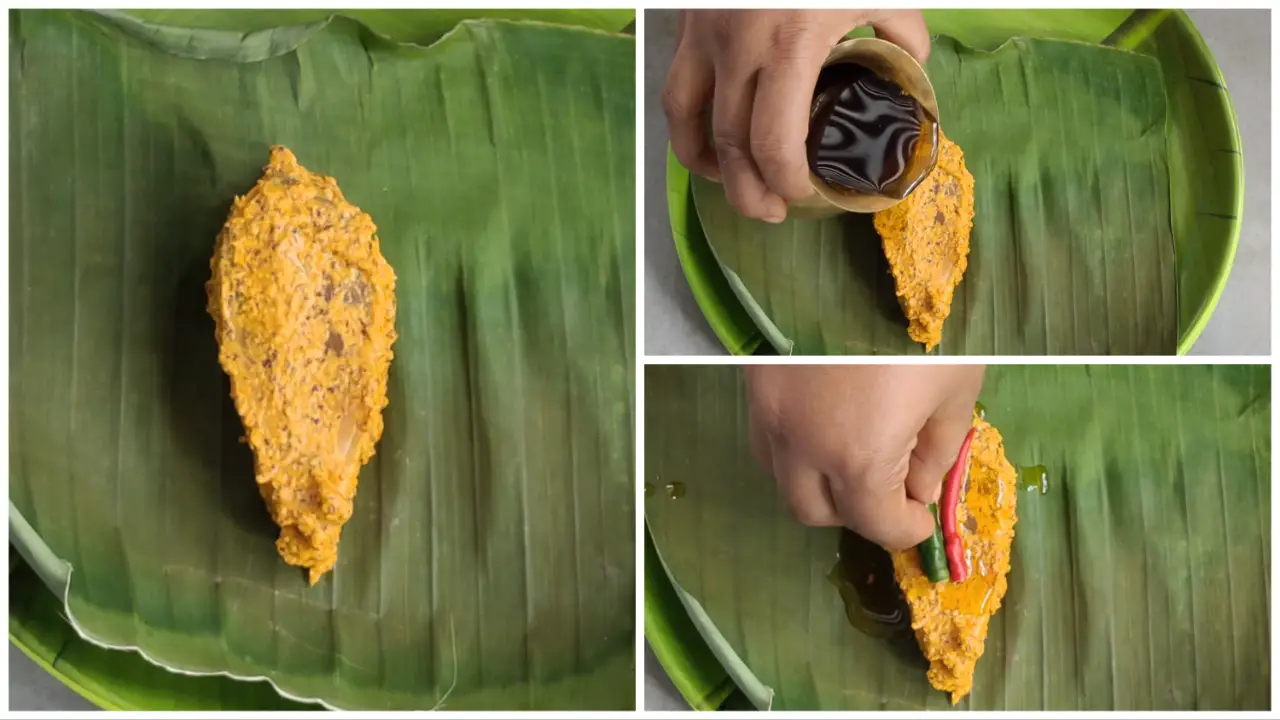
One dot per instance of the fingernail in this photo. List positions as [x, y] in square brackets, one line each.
[777, 213]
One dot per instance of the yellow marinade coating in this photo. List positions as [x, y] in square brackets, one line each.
[304, 309]
[950, 619]
[926, 239]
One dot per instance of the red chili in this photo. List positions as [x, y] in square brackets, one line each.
[947, 512]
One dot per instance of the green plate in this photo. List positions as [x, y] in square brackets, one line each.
[1203, 142]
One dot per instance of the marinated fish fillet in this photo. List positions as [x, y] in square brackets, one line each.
[950, 619]
[926, 238]
[304, 308]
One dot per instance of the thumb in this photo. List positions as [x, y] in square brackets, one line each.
[937, 446]
[906, 29]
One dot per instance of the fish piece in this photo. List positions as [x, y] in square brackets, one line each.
[304, 312]
[950, 619]
[926, 239]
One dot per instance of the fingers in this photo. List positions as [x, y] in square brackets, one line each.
[780, 124]
[754, 74]
[735, 90]
[807, 491]
[685, 101]
[862, 447]
[804, 487]
[906, 29]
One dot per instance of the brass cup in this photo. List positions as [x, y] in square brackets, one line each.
[892, 63]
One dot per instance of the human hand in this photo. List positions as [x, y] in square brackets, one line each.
[753, 73]
[862, 446]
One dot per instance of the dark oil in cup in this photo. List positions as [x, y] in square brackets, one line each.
[864, 132]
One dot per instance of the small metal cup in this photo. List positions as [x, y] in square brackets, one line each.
[892, 63]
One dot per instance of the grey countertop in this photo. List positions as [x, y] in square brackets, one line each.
[1241, 43]
[31, 688]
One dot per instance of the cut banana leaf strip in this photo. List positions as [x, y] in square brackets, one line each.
[1140, 580]
[114, 680]
[1072, 246]
[410, 26]
[490, 561]
[730, 322]
[694, 669]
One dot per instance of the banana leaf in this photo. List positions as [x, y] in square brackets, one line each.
[490, 561]
[1107, 203]
[1140, 580]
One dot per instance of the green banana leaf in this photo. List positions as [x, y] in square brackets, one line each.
[1140, 580]
[113, 680]
[490, 561]
[1109, 186]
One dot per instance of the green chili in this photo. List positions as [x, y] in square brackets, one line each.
[933, 553]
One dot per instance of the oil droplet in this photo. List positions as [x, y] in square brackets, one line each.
[863, 575]
[675, 490]
[981, 410]
[1034, 477]
[648, 489]
[986, 598]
